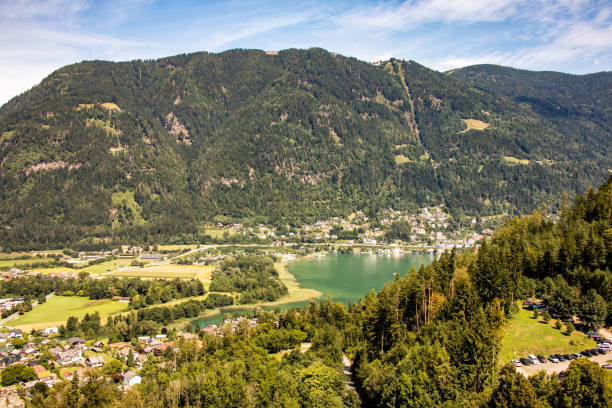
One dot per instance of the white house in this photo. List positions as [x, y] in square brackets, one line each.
[130, 379]
[49, 331]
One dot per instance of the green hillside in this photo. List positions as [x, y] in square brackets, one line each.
[287, 138]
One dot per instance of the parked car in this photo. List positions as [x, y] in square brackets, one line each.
[526, 361]
[567, 357]
[605, 346]
[553, 359]
[516, 363]
[542, 359]
[600, 351]
[560, 357]
[607, 366]
[576, 355]
[586, 353]
[533, 359]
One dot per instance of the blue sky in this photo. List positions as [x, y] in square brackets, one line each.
[39, 36]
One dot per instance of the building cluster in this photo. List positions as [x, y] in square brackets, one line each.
[10, 303]
[14, 273]
[429, 228]
[75, 356]
[230, 325]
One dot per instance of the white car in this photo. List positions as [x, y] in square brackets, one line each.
[605, 346]
[553, 359]
[516, 363]
[533, 359]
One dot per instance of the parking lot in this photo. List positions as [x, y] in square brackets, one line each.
[555, 368]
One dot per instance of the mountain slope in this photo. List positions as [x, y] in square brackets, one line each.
[102, 151]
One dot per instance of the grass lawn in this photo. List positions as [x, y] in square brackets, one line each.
[58, 309]
[55, 270]
[175, 247]
[202, 272]
[105, 266]
[524, 335]
[218, 233]
[17, 262]
[32, 254]
[105, 357]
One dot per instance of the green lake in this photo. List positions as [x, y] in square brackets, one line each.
[348, 277]
[344, 277]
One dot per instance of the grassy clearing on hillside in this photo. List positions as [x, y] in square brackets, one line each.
[474, 124]
[58, 309]
[524, 335]
[127, 198]
[401, 159]
[514, 161]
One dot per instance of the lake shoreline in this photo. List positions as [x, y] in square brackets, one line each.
[300, 292]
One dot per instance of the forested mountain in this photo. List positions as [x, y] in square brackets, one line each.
[147, 150]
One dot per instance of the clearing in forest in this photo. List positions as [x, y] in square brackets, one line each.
[525, 335]
[474, 124]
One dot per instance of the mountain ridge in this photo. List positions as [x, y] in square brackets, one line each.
[280, 138]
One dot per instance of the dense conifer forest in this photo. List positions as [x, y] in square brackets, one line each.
[430, 338]
[107, 153]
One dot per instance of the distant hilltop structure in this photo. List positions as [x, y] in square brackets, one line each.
[271, 52]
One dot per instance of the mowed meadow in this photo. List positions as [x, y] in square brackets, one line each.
[57, 309]
[525, 335]
[168, 271]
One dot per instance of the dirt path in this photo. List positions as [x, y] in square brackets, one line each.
[348, 370]
[605, 333]
[555, 368]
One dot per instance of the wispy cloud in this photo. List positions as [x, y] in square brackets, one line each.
[38, 36]
[406, 15]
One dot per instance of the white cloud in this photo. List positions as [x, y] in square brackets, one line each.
[38, 36]
[406, 15]
[577, 41]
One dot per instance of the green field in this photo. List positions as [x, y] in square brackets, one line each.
[18, 262]
[105, 266]
[31, 254]
[524, 335]
[177, 247]
[55, 270]
[169, 271]
[218, 233]
[58, 309]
